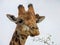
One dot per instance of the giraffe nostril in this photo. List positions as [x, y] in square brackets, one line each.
[34, 27]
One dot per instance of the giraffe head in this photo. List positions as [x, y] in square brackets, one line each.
[27, 18]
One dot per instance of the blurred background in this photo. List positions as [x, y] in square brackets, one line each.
[50, 25]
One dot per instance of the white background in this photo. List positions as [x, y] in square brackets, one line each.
[48, 8]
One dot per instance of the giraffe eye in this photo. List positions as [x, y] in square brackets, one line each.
[20, 21]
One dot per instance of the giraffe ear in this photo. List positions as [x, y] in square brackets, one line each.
[12, 18]
[39, 18]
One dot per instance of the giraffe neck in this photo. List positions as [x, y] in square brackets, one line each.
[19, 37]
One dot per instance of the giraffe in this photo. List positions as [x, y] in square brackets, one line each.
[26, 24]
